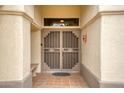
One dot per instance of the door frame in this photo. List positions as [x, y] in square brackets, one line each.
[42, 49]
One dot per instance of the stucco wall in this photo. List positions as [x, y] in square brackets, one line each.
[12, 7]
[14, 45]
[37, 14]
[91, 49]
[102, 54]
[87, 13]
[62, 11]
[111, 8]
[112, 45]
[11, 47]
[26, 47]
[29, 9]
[36, 48]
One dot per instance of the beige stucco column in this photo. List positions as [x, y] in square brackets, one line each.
[112, 45]
[14, 47]
[36, 49]
[102, 53]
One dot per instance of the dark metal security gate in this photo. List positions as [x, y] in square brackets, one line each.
[61, 51]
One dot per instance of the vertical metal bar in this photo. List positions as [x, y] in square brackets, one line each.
[72, 40]
[76, 42]
[44, 57]
[69, 39]
[66, 40]
[52, 40]
[56, 62]
[66, 60]
[77, 57]
[48, 59]
[71, 59]
[63, 60]
[74, 59]
[53, 60]
[48, 40]
[61, 38]
[52, 56]
[55, 39]
[65, 57]
[57, 57]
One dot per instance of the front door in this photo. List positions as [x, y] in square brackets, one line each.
[61, 51]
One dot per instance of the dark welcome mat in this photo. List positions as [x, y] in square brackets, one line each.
[61, 74]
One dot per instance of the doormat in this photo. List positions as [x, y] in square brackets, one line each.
[61, 74]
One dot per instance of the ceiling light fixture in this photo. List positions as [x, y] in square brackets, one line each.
[61, 21]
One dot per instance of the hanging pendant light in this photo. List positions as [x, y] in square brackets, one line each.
[62, 21]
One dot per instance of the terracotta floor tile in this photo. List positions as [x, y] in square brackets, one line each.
[50, 81]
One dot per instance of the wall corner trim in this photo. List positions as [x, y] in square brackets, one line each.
[35, 26]
[23, 14]
[111, 84]
[16, 13]
[99, 14]
[25, 83]
[90, 78]
[94, 82]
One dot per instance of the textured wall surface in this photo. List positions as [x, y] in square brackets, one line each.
[26, 47]
[29, 9]
[14, 45]
[112, 45]
[37, 15]
[111, 8]
[87, 13]
[11, 47]
[36, 48]
[12, 7]
[91, 49]
[63, 11]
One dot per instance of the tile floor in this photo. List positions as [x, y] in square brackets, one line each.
[50, 81]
